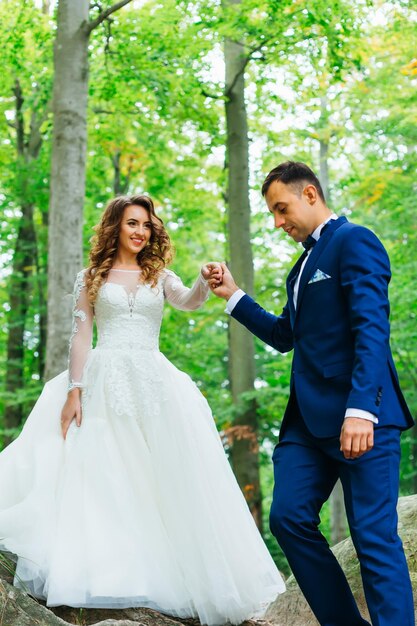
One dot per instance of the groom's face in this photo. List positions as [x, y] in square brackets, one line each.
[295, 211]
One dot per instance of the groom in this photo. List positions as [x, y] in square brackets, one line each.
[345, 412]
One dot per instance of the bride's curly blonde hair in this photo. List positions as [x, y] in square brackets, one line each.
[152, 259]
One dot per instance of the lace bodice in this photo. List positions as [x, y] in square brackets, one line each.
[128, 314]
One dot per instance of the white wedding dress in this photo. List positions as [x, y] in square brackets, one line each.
[139, 506]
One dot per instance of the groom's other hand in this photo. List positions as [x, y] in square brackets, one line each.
[228, 286]
[357, 437]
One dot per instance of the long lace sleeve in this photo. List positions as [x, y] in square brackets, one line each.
[182, 297]
[82, 333]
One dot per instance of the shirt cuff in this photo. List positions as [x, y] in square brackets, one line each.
[363, 415]
[233, 300]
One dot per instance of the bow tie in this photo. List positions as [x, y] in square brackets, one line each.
[309, 243]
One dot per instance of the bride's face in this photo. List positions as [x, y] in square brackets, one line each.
[135, 229]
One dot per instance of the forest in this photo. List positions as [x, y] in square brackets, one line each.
[193, 102]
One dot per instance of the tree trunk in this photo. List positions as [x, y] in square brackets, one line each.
[243, 434]
[67, 175]
[43, 318]
[69, 144]
[338, 522]
[120, 181]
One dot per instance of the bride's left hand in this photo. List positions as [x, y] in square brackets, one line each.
[71, 410]
[213, 273]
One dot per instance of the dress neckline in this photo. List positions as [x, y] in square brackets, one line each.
[115, 269]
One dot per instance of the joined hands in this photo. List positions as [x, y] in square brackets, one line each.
[220, 279]
[212, 272]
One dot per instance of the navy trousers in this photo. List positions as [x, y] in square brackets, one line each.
[306, 470]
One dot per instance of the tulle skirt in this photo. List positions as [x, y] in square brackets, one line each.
[135, 508]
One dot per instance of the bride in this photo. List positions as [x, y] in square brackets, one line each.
[118, 493]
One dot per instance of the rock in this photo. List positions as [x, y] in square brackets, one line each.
[290, 608]
[118, 617]
[19, 609]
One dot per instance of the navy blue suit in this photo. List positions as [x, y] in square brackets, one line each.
[339, 332]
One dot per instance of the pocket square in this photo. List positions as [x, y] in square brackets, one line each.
[318, 275]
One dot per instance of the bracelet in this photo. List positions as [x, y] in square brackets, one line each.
[72, 385]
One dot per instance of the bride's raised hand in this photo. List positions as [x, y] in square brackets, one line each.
[213, 273]
[71, 410]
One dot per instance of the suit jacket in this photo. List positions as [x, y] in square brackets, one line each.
[339, 332]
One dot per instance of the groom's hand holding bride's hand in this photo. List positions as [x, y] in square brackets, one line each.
[212, 272]
[227, 287]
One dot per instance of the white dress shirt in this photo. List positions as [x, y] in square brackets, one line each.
[234, 299]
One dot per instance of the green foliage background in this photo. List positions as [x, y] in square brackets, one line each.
[156, 110]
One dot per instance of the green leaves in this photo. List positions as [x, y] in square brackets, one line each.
[337, 73]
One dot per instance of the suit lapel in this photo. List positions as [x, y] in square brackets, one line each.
[314, 257]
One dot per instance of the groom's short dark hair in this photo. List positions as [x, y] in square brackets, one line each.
[295, 174]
